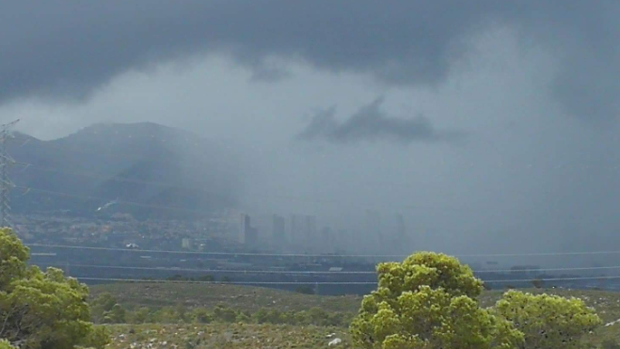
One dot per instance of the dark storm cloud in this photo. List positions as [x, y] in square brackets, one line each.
[370, 123]
[68, 49]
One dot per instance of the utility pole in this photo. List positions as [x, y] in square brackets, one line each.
[5, 182]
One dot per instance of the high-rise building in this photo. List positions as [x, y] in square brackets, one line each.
[374, 233]
[234, 223]
[310, 231]
[244, 224]
[303, 231]
[296, 230]
[264, 225]
[246, 234]
[327, 240]
[279, 232]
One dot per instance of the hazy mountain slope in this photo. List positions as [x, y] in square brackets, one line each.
[144, 163]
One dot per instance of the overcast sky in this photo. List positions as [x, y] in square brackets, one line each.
[491, 125]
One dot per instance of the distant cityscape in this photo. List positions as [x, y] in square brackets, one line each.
[229, 230]
[232, 245]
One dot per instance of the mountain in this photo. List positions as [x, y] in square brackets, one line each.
[149, 169]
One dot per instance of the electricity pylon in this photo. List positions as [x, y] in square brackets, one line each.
[6, 185]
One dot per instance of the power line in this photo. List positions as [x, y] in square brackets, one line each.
[230, 282]
[215, 271]
[259, 254]
[576, 278]
[546, 269]
[313, 272]
[324, 282]
[247, 254]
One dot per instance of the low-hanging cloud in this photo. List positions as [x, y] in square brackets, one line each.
[64, 49]
[370, 123]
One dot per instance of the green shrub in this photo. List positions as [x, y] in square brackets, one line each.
[116, 315]
[201, 315]
[42, 309]
[224, 314]
[140, 316]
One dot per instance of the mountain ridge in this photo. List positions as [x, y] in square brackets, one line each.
[145, 163]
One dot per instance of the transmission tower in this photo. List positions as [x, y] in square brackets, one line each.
[5, 182]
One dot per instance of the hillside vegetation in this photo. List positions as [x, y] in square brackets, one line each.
[226, 336]
[243, 298]
[248, 298]
[253, 299]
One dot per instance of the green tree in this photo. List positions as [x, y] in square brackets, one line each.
[548, 321]
[13, 258]
[429, 301]
[40, 309]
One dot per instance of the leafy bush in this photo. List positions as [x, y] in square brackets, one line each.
[201, 315]
[548, 321]
[243, 317]
[41, 308]
[430, 301]
[224, 314]
[116, 315]
[140, 316]
[105, 309]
